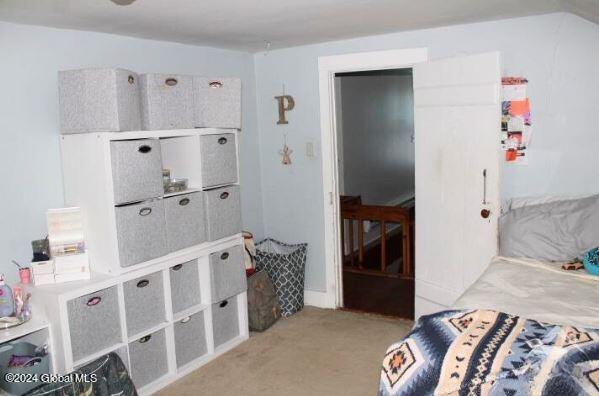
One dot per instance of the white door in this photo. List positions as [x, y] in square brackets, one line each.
[457, 122]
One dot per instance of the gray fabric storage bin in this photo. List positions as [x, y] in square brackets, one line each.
[227, 273]
[141, 232]
[136, 170]
[190, 339]
[217, 102]
[223, 212]
[166, 101]
[219, 159]
[98, 100]
[185, 286]
[21, 349]
[185, 223]
[225, 321]
[144, 302]
[148, 358]
[94, 322]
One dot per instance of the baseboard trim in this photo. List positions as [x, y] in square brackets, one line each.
[316, 299]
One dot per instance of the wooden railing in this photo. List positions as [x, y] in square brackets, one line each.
[352, 211]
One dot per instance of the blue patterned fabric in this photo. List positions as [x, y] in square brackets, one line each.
[485, 352]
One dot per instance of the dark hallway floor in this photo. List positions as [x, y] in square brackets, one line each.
[377, 293]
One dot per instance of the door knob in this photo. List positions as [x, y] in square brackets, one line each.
[485, 213]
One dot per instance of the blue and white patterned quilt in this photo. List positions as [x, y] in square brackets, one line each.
[485, 352]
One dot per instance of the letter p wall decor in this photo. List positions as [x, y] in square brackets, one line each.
[286, 103]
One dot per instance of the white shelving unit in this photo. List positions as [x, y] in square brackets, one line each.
[88, 180]
[54, 300]
[88, 319]
[167, 291]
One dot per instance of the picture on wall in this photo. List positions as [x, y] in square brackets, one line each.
[516, 124]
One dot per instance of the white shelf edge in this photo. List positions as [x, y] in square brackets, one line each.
[188, 191]
[149, 331]
[157, 134]
[35, 324]
[189, 311]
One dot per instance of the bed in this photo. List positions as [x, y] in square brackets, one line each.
[526, 327]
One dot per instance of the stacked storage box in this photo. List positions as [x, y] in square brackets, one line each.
[149, 223]
[172, 295]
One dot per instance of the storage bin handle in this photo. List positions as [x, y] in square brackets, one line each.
[31, 362]
[177, 267]
[222, 140]
[145, 211]
[143, 283]
[93, 301]
[145, 339]
[171, 82]
[144, 149]
[215, 84]
[223, 304]
[131, 79]
[224, 195]
[224, 256]
[185, 320]
[184, 201]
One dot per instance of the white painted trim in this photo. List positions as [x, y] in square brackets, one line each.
[327, 67]
[317, 299]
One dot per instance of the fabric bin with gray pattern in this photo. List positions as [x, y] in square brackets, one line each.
[94, 322]
[223, 212]
[218, 154]
[285, 265]
[217, 102]
[225, 321]
[190, 339]
[144, 302]
[98, 100]
[141, 232]
[185, 285]
[227, 273]
[148, 358]
[166, 101]
[185, 222]
[136, 170]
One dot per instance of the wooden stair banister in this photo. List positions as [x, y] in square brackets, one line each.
[352, 210]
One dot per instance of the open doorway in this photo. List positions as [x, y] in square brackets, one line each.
[374, 116]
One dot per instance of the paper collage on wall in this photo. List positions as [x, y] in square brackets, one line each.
[516, 125]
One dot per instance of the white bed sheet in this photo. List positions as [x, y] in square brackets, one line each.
[536, 290]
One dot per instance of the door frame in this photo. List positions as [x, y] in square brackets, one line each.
[328, 66]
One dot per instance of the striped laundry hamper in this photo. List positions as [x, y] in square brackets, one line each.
[285, 264]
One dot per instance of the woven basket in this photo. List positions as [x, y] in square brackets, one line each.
[285, 265]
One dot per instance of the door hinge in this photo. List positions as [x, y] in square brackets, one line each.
[330, 198]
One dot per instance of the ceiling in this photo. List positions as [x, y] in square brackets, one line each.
[248, 24]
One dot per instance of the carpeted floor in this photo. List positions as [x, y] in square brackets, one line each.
[315, 352]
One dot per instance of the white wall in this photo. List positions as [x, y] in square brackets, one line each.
[377, 128]
[29, 151]
[559, 53]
